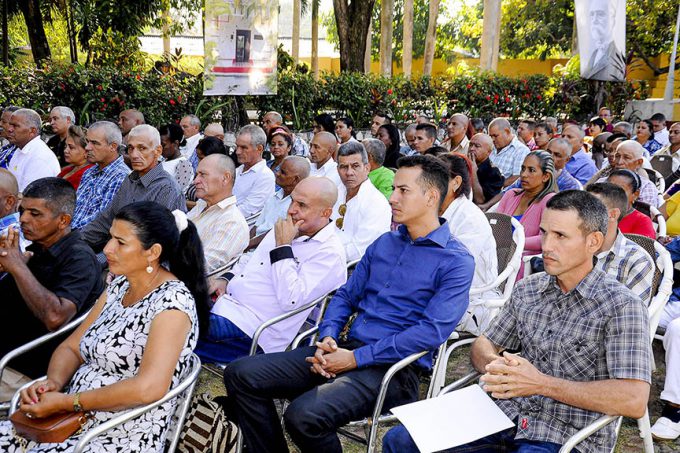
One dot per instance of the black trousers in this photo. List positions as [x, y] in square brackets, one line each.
[318, 405]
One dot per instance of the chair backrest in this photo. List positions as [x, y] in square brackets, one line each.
[643, 208]
[662, 164]
[250, 220]
[658, 221]
[509, 238]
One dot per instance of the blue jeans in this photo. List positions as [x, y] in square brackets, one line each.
[399, 440]
[224, 343]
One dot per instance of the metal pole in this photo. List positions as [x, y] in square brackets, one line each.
[668, 94]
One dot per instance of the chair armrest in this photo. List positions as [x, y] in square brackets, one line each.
[303, 335]
[460, 383]
[582, 434]
[509, 269]
[14, 404]
[271, 322]
[222, 269]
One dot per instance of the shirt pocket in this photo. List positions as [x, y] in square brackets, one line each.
[579, 359]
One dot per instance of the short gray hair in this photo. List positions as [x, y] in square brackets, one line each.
[256, 133]
[626, 126]
[65, 112]
[193, 120]
[149, 131]
[353, 147]
[226, 164]
[376, 149]
[31, 117]
[563, 142]
[501, 123]
[276, 115]
[111, 131]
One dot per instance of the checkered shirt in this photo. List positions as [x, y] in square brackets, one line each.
[96, 190]
[509, 159]
[649, 193]
[6, 153]
[597, 331]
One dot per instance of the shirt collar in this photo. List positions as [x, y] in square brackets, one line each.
[280, 196]
[224, 204]
[150, 176]
[453, 207]
[27, 146]
[439, 236]
[586, 288]
[58, 247]
[117, 162]
[321, 236]
[617, 248]
[255, 168]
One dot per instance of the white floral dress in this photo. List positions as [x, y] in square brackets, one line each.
[112, 350]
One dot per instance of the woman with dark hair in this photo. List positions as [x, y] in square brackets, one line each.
[543, 133]
[470, 226]
[75, 155]
[596, 126]
[644, 135]
[323, 122]
[137, 341]
[280, 143]
[633, 221]
[537, 178]
[174, 163]
[389, 135]
[344, 130]
[206, 147]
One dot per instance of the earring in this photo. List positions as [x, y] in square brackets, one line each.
[149, 269]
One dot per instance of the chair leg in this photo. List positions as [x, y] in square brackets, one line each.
[646, 432]
[440, 375]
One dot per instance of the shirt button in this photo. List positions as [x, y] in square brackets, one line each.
[261, 264]
[241, 275]
[387, 284]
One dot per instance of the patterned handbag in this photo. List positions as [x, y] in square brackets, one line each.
[206, 429]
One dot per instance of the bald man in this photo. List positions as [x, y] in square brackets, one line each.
[580, 165]
[489, 180]
[221, 226]
[9, 203]
[127, 119]
[456, 129]
[509, 153]
[214, 130]
[298, 261]
[323, 147]
[273, 119]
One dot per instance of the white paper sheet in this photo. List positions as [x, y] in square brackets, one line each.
[453, 419]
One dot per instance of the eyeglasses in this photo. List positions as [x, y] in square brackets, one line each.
[342, 210]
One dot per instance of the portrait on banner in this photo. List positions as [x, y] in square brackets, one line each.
[602, 39]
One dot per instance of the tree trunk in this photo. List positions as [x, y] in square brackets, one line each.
[488, 55]
[166, 31]
[407, 55]
[431, 37]
[352, 21]
[315, 39]
[295, 39]
[71, 30]
[36, 32]
[368, 51]
[386, 16]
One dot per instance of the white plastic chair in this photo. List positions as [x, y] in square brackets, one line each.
[251, 219]
[658, 221]
[224, 268]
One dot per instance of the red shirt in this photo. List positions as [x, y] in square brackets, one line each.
[75, 178]
[637, 223]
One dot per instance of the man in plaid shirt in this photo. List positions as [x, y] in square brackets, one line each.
[583, 337]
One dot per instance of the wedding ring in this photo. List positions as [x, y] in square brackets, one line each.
[29, 415]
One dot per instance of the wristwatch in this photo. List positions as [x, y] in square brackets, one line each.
[76, 403]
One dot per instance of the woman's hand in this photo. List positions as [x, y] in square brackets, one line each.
[32, 394]
[50, 403]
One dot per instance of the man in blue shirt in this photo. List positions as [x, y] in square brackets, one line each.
[580, 165]
[409, 291]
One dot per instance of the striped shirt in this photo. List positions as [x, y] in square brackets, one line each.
[597, 331]
[6, 153]
[509, 159]
[630, 264]
[223, 231]
[96, 190]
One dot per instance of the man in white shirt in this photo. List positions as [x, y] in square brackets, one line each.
[221, 226]
[324, 146]
[300, 260]
[660, 132]
[33, 158]
[254, 180]
[191, 126]
[361, 213]
[509, 153]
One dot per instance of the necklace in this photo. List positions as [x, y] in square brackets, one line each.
[126, 302]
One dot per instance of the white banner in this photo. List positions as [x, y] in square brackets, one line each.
[241, 38]
[602, 38]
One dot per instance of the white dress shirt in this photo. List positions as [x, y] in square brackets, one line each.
[223, 231]
[253, 187]
[190, 145]
[662, 137]
[261, 289]
[274, 209]
[34, 161]
[368, 215]
[329, 170]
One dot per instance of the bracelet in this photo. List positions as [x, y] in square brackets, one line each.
[77, 407]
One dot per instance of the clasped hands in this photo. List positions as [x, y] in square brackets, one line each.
[43, 399]
[10, 253]
[329, 360]
[512, 376]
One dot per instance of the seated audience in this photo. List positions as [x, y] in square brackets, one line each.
[389, 135]
[297, 262]
[598, 150]
[672, 150]
[221, 226]
[174, 163]
[274, 120]
[606, 114]
[509, 152]
[147, 182]
[324, 145]
[361, 213]
[584, 342]
[7, 151]
[552, 122]
[60, 279]
[410, 137]
[75, 155]
[580, 165]
[487, 180]
[9, 207]
[127, 119]
[629, 155]
[254, 180]
[469, 225]
[280, 142]
[667, 426]
[323, 122]
[611, 144]
[32, 159]
[100, 183]
[380, 176]
[527, 204]
[344, 130]
[543, 133]
[620, 257]
[409, 292]
[671, 213]
[191, 129]
[644, 135]
[633, 221]
[658, 121]
[214, 130]
[456, 130]
[425, 137]
[135, 344]
[525, 132]
[293, 170]
[625, 128]
[596, 126]
[206, 147]
[436, 151]
[61, 119]
[379, 119]
[477, 126]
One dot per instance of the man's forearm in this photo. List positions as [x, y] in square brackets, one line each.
[510, 180]
[43, 303]
[483, 352]
[477, 192]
